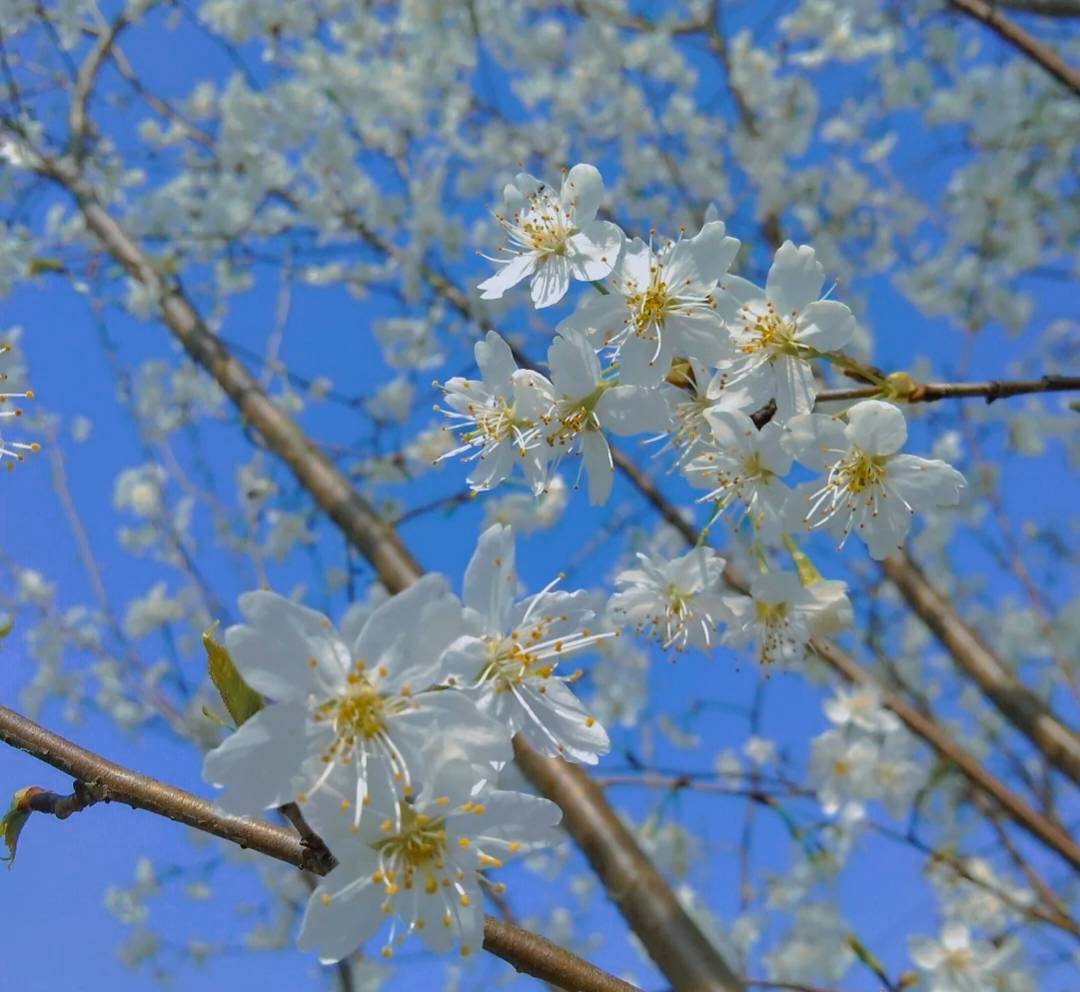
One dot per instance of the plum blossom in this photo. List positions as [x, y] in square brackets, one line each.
[554, 237]
[499, 417]
[342, 717]
[507, 658]
[868, 487]
[678, 602]
[418, 864]
[957, 962]
[744, 465]
[842, 770]
[781, 615]
[775, 331]
[585, 405]
[662, 304]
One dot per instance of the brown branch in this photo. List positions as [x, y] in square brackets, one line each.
[687, 958]
[672, 938]
[1059, 744]
[98, 780]
[1043, 8]
[1012, 34]
[931, 392]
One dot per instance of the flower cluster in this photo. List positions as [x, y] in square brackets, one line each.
[390, 737]
[674, 346]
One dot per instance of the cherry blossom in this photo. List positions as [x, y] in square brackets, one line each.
[420, 864]
[507, 660]
[776, 331]
[554, 237]
[869, 488]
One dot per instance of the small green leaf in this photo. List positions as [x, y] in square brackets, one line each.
[15, 819]
[6, 627]
[239, 698]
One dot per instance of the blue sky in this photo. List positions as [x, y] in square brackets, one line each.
[56, 923]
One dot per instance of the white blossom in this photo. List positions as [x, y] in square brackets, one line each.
[774, 332]
[343, 717]
[499, 417]
[868, 487]
[507, 659]
[744, 465]
[662, 303]
[781, 615]
[678, 602]
[554, 237]
[957, 962]
[418, 864]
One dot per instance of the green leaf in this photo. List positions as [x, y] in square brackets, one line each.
[6, 627]
[239, 698]
[15, 819]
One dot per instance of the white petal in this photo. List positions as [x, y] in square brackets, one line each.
[640, 364]
[826, 325]
[627, 410]
[564, 720]
[508, 276]
[795, 278]
[387, 637]
[925, 483]
[495, 360]
[493, 468]
[575, 370]
[490, 580]
[794, 387]
[273, 653]
[713, 252]
[550, 281]
[582, 191]
[598, 465]
[257, 765]
[599, 318]
[815, 440]
[594, 251]
[877, 428]
[336, 930]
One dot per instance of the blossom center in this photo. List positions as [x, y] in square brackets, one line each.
[417, 845]
[544, 228]
[860, 471]
[767, 331]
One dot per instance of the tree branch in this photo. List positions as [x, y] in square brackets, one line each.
[1058, 744]
[1012, 34]
[99, 780]
[931, 392]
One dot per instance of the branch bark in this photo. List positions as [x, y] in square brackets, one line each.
[99, 780]
[1058, 744]
[1012, 34]
[669, 936]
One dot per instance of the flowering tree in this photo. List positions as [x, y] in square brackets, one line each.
[703, 582]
